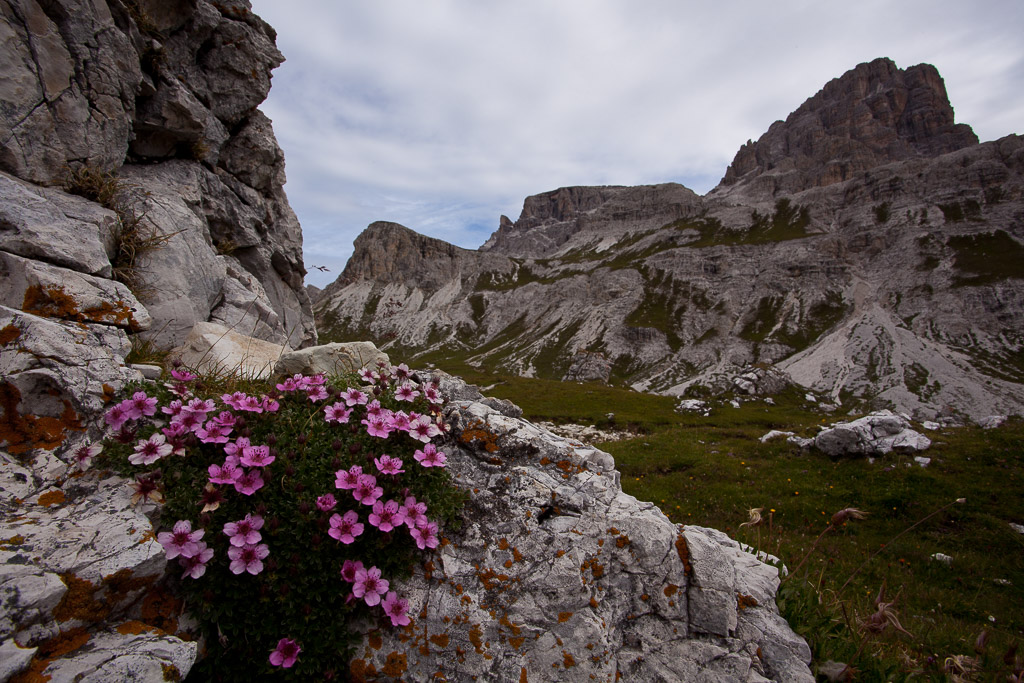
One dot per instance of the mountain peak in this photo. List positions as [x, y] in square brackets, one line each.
[874, 114]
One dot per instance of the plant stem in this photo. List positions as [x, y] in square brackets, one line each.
[894, 538]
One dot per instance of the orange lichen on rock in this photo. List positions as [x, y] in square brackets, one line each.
[23, 433]
[52, 301]
[670, 590]
[375, 640]
[51, 498]
[476, 638]
[60, 645]
[8, 334]
[396, 665]
[564, 617]
[476, 432]
[440, 639]
[567, 660]
[683, 550]
[622, 541]
[744, 601]
[79, 602]
[522, 675]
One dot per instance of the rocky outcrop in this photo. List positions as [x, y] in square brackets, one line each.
[552, 222]
[893, 286]
[163, 95]
[872, 115]
[558, 574]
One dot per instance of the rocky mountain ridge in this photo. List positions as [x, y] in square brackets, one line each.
[868, 246]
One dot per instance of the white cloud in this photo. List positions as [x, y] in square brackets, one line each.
[443, 115]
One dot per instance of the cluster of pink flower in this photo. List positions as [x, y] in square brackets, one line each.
[190, 418]
[313, 386]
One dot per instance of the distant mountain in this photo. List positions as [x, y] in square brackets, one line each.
[868, 246]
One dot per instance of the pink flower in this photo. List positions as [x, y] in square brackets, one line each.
[374, 409]
[244, 531]
[116, 417]
[256, 456]
[226, 418]
[354, 397]
[270, 405]
[198, 405]
[317, 393]
[402, 371]
[172, 409]
[396, 608]
[425, 536]
[152, 449]
[369, 586]
[251, 404]
[248, 558]
[228, 473]
[367, 375]
[387, 464]
[188, 421]
[377, 426]
[386, 516]
[430, 456]
[420, 428]
[84, 455]
[286, 653]
[345, 529]
[288, 385]
[249, 483]
[213, 432]
[313, 381]
[399, 421]
[326, 502]
[349, 569]
[337, 412]
[195, 566]
[238, 447]
[414, 513]
[234, 400]
[348, 479]
[141, 404]
[406, 393]
[183, 375]
[366, 490]
[431, 394]
[181, 540]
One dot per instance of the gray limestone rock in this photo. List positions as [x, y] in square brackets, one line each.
[875, 434]
[48, 225]
[147, 657]
[330, 359]
[214, 348]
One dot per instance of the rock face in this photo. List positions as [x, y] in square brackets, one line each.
[558, 574]
[120, 118]
[164, 95]
[867, 247]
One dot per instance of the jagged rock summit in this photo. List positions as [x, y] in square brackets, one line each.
[872, 115]
[867, 246]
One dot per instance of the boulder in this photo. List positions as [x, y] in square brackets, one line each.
[211, 347]
[330, 359]
[875, 434]
[558, 574]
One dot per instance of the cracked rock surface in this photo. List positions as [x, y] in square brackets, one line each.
[557, 574]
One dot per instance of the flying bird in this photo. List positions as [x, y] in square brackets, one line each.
[324, 269]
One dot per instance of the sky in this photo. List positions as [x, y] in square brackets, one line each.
[442, 115]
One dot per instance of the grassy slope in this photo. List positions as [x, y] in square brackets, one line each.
[711, 471]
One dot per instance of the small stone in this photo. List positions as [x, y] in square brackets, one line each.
[942, 558]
